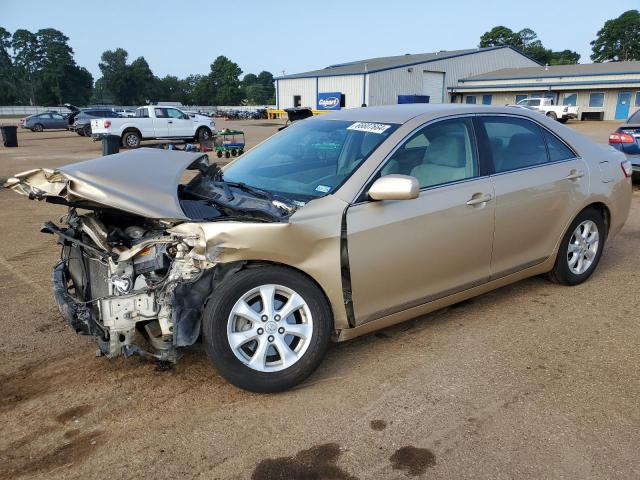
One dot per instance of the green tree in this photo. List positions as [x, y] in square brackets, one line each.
[199, 90]
[499, 36]
[225, 81]
[7, 73]
[142, 82]
[27, 61]
[565, 57]
[619, 39]
[115, 75]
[527, 41]
[172, 89]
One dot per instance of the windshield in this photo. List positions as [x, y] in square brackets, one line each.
[310, 158]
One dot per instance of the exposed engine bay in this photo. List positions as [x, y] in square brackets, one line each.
[139, 284]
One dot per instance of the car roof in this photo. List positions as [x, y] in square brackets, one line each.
[403, 113]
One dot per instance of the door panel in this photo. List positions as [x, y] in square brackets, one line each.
[406, 253]
[623, 105]
[533, 207]
[179, 126]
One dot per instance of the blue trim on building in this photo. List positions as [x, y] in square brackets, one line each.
[471, 79]
[361, 72]
[543, 86]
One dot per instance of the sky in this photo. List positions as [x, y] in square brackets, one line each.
[184, 37]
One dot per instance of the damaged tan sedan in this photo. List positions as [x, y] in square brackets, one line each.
[336, 226]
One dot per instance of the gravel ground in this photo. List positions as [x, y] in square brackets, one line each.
[531, 381]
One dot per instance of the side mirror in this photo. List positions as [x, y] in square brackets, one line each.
[394, 187]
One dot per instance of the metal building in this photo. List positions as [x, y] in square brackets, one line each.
[390, 80]
[604, 91]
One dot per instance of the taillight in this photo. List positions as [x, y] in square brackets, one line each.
[107, 123]
[627, 169]
[618, 137]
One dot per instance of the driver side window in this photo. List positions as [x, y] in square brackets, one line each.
[439, 153]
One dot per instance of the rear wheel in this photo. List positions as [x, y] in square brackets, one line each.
[581, 249]
[86, 130]
[552, 115]
[38, 127]
[80, 132]
[267, 329]
[131, 139]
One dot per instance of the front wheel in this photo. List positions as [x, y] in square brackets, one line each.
[38, 127]
[581, 249]
[86, 130]
[267, 329]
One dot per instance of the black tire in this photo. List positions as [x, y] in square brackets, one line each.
[227, 154]
[234, 153]
[203, 134]
[38, 127]
[552, 116]
[219, 154]
[80, 132]
[561, 272]
[216, 316]
[240, 152]
[86, 130]
[131, 139]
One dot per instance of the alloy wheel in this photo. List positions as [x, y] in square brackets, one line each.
[583, 247]
[270, 328]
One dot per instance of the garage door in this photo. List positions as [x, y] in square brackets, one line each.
[433, 85]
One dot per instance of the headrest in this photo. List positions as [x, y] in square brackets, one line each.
[447, 151]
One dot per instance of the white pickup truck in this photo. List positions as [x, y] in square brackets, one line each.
[561, 113]
[154, 122]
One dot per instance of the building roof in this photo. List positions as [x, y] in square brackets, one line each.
[371, 65]
[553, 71]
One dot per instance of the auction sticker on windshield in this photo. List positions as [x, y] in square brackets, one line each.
[369, 127]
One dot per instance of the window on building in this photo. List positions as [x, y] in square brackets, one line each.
[521, 97]
[297, 100]
[515, 143]
[637, 99]
[343, 100]
[486, 99]
[596, 100]
[570, 99]
[471, 99]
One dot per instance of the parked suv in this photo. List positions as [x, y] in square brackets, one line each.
[82, 123]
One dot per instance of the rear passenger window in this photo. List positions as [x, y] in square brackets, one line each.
[515, 143]
[557, 150]
[439, 153]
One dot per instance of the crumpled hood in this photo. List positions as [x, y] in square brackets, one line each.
[143, 182]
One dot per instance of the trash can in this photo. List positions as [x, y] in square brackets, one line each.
[9, 136]
[110, 144]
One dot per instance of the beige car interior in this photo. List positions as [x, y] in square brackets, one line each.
[439, 153]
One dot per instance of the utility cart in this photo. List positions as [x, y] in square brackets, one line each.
[229, 143]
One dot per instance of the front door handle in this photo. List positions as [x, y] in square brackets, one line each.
[574, 175]
[479, 198]
[170, 121]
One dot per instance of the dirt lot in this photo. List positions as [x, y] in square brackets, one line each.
[531, 381]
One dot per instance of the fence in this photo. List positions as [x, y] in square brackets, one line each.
[23, 111]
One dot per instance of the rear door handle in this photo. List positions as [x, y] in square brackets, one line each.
[170, 121]
[479, 198]
[574, 175]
